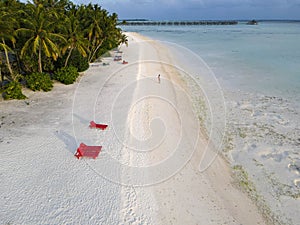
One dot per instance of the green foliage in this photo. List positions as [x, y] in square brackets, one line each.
[105, 47]
[66, 75]
[29, 64]
[48, 65]
[45, 33]
[39, 81]
[13, 90]
[78, 61]
[43, 39]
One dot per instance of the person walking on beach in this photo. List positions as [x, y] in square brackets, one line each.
[158, 78]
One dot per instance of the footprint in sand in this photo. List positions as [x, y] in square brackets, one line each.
[295, 167]
[297, 182]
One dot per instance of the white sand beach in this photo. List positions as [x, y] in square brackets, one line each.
[148, 169]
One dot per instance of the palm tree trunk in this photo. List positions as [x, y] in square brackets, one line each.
[7, 59]
[40, 59]
[1, 78]
[67, 59]
[94, 52]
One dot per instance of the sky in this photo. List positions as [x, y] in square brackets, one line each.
[200, 9]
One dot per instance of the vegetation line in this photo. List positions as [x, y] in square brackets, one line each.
[41, 37]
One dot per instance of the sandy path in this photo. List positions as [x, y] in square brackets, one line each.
[147, 172]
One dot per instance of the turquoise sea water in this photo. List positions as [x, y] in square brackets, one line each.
[258, 69]
[261, 58]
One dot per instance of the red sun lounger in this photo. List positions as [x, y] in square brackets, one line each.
[96, 125]
[87, 151]
[117, 58]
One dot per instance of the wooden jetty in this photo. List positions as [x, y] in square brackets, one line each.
[177, 23]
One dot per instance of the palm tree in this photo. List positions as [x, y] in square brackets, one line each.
[94, 19]
[57, 5]
[7, 25]
[39, 28]
[6, 49]
[75, 38]
[122, 40]
[100, 28]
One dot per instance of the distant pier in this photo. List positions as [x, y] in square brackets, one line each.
[177, 23]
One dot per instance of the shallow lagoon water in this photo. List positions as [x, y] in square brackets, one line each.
[263, 58]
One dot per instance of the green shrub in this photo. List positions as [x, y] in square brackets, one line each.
[39, 81]
[78, 61]
[13, 90]
[66, 75]
[75, 60]
[29, 64]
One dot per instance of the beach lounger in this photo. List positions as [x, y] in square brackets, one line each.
[99, 126]
[118, 58]
[87, 151]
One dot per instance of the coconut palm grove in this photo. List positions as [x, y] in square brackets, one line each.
[46, 40]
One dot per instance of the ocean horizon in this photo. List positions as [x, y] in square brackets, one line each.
[232, 19]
